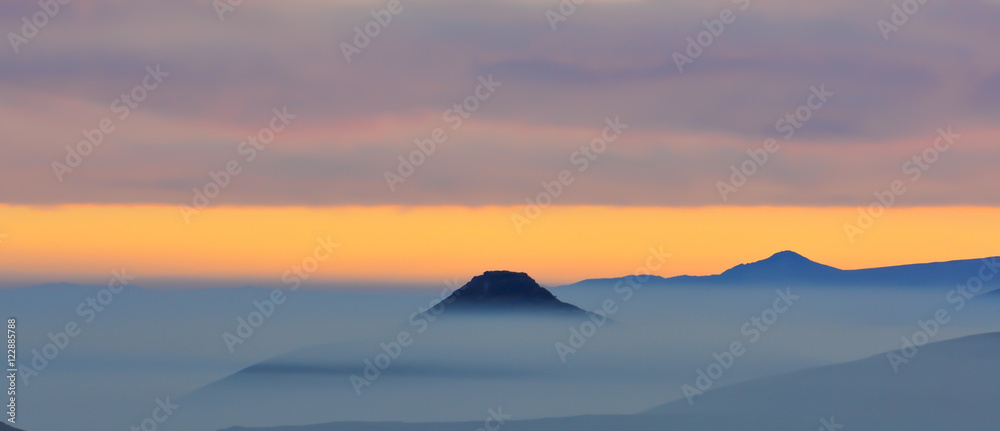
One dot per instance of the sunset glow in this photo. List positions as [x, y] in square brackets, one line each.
[431, 244]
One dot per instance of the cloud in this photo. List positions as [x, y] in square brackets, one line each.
[607, 59]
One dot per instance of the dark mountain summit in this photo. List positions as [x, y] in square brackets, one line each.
[505, 291]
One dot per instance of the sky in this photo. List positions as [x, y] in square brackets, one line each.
[190, 139]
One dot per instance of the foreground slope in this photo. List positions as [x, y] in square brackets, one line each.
[952, 384]
[949, 385]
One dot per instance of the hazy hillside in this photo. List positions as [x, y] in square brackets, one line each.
[949, 385]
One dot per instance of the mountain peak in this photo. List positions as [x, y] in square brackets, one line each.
[789, 256]
[782, 266]
[786, 257]
[505, 291]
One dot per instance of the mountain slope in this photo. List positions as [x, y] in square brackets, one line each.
[946, 385]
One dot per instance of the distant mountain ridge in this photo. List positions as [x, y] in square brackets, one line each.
[791, 267]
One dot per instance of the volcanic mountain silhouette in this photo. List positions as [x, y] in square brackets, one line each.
[505, 291]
